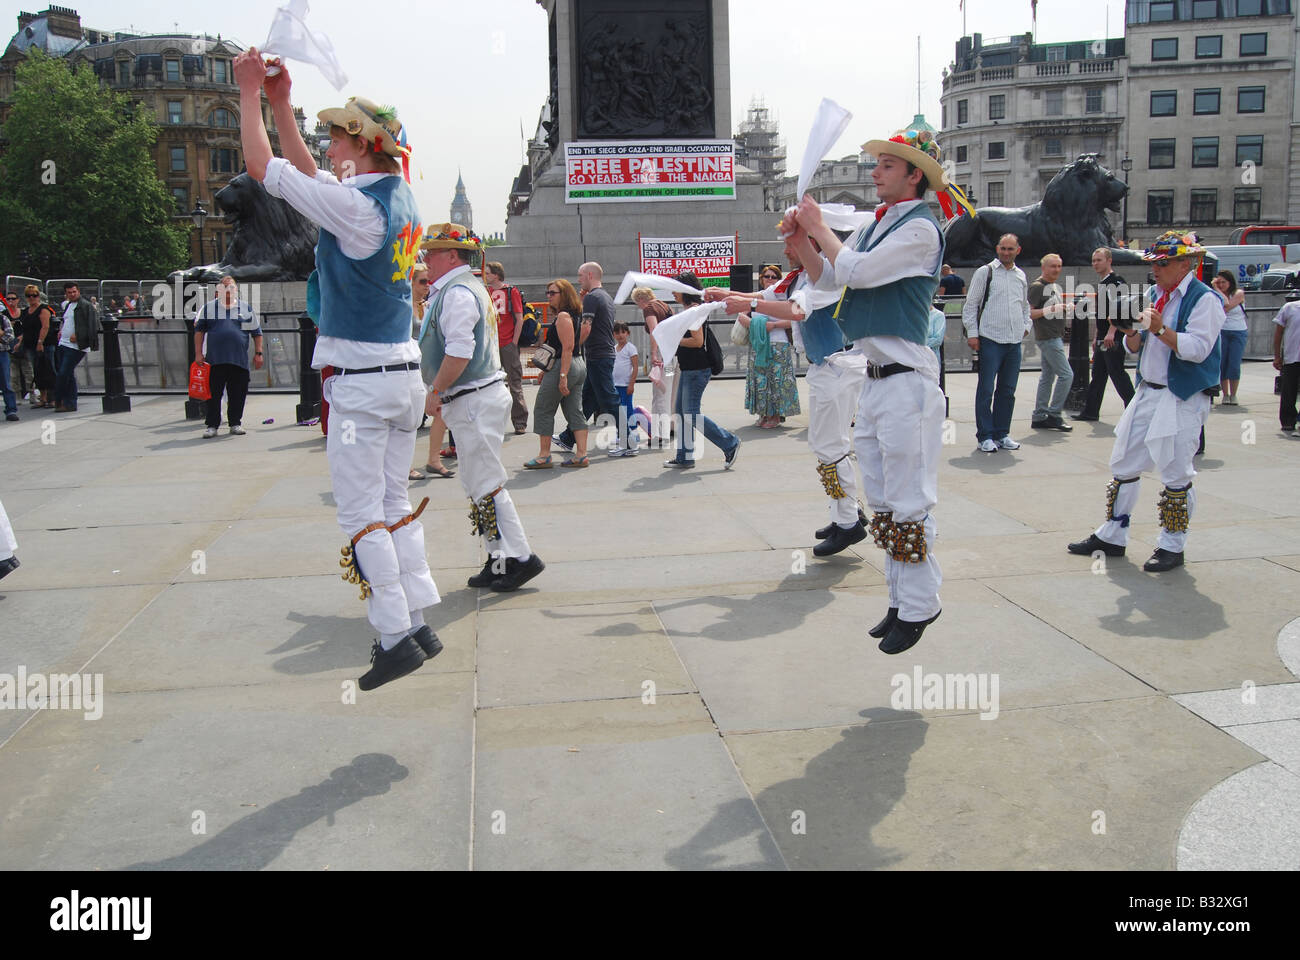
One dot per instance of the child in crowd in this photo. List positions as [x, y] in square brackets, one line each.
[625, 365]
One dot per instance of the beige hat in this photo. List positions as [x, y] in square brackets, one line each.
[450, 236]
[916, 147]
[365, 118]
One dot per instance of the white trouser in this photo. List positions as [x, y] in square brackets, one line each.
[373, 419]
[8, 542]
[1158, 432]
[478, 420]
[899, 439]
[834, 389]
[663, 398]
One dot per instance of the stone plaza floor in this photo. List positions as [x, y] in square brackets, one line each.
[684, 687]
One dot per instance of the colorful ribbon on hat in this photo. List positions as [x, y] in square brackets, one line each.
[1172, 243]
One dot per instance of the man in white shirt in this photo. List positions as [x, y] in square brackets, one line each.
[76, 336]
[361, 293]
[996, 317]
[1286, 359]
[888, 271]
[460, 360]
[1178, 361]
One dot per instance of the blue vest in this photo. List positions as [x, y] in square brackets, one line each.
[822, 336]
[433, 341]
[369, 300]
[898, 309]
[1187, 378]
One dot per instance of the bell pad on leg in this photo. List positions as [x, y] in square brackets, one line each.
[881, 524]
[830, 474]
[905, 541]
[1172, 507]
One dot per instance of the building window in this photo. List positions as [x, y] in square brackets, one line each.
[1053, 148]
[1162, 11]
[1207, 47]
[998, 150]
[173, 71]
[223, 160]
[182, 197]
[1164, 103]
[1250, 8]
[1165, 48]
[996, 192]
[963, 111]
[1205, 151]
[124, 71]
[943, 116]
[962, 153]
[1092, 100]
[1055, 105]
[1160, 206]
[998, 106]
[1254, 44]
[1055, 54]
[1250, 150]
[221, 117]
[1250, 99]
[178, 159]
[1245, 204]
[219, 71]
[1160, 154]
[173, 111]
[1205, 206]
[1205, 101]
[1205, 9]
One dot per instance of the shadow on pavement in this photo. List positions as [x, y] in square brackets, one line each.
[323, 643]
[1163, 600]
[253, 842]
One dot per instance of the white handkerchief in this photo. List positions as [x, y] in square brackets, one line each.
[828, 126]
[668, 333]
[291, 39]
[655, 282]
[1162, 432]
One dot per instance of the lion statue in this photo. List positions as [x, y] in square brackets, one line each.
[271, 241]
[1070, 221]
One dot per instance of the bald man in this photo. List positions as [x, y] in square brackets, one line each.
[597, 340]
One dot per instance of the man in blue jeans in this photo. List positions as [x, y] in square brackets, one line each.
[1047, 310]
[77, 335]
[996, 317]
[597, 340]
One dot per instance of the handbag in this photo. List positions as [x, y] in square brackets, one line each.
[200, 388]
[739, 334]
[543, 358]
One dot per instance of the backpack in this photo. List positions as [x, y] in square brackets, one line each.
[714, 350]
[531, 333]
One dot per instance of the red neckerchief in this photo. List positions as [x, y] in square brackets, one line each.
[783, 288]
[882, 210]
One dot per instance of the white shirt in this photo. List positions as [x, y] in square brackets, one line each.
[359, 224]
[1288, 318]
[624, 357]
[912, 250]
[1006, 315]
[1194, 343]
[457, 319]
[69, 328]
[1236, 316]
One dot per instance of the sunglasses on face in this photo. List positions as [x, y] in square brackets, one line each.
[771, 276]
[552, 293]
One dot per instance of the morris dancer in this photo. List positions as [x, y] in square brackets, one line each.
[889, 271]
[835, 378]
[1178, 363]
[369, 236]
[460, 360]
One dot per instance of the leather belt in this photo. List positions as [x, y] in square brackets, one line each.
[888, 370]
[1154, 386]
[391, 368]
[462, 393]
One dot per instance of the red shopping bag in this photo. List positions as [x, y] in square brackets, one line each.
[199, 387]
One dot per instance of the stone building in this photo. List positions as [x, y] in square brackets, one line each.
[760, 148]
[185, 80]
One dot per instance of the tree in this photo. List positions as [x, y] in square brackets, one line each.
[79, 189]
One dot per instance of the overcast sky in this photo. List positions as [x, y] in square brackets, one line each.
[464, 76]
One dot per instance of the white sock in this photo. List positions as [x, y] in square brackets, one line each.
[390, 640]
[417, 619]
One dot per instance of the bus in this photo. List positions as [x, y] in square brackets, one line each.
[1271, 236]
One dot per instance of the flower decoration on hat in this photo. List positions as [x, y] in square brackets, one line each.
[1172, 244]
[919, 148]
[443, 236]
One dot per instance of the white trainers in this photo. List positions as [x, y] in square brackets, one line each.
[237, 430]
[1006, 443]
[209, 433]
[988, 446]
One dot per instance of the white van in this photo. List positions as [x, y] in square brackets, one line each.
[1248, 261]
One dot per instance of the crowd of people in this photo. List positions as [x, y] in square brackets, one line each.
[41, 346]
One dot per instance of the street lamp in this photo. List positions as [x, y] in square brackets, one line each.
[198, 215]
[1126, 165]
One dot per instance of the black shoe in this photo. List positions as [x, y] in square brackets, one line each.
[1056, 423]
[1086, 548]
[8, 566]
[1044, 424]
[1163, 560]
[11, 417]
[680, 464]
[491, 570]
[825, 531]
[388, 665]
[729, 460]
[884, 626]
[1084, 416]
[427, 641]
[903, 635]
[518, 572]
[840, 539]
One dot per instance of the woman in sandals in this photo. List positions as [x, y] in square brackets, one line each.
[561, 385]
[770, 388]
